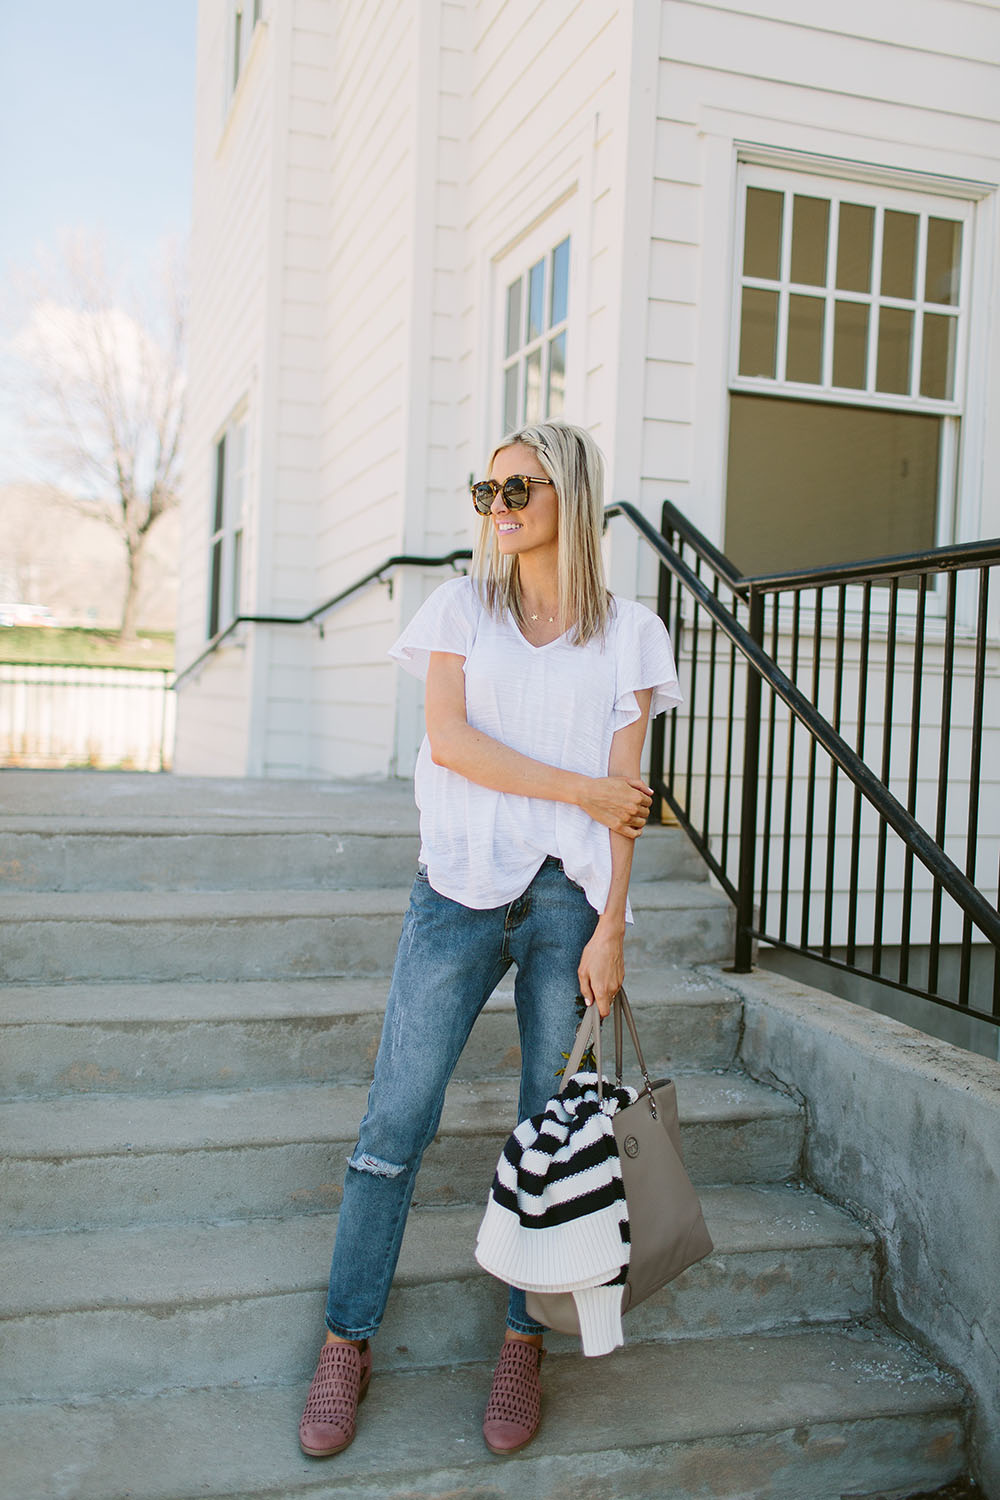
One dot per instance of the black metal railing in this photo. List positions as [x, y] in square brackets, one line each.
[764, 739]
[833, 718]
[315, 616]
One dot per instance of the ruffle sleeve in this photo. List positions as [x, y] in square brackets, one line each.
[447, 621]
[644, 660]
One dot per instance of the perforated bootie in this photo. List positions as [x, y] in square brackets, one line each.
[514, 1409]
[340, 1382]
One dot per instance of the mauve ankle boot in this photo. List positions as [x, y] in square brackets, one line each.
[341, 1381]
[515, 1405]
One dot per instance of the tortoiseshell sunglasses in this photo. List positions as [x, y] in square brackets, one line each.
[516, 491]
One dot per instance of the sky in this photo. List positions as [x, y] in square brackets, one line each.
[96, 134]
[96, 124]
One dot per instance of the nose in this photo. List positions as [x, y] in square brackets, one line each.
[499, 505]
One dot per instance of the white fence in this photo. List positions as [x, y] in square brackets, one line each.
[86, 716]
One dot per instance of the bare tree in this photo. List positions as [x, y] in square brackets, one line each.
[101, 387]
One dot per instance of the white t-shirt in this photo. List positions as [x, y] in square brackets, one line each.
[560, 704]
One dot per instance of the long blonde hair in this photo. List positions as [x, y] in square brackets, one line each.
[572, 460]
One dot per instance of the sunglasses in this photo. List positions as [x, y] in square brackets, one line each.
[516, 492]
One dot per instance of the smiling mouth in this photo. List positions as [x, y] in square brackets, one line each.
[507, 526]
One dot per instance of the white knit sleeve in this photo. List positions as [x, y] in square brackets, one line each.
[644, 660]
[447, 621]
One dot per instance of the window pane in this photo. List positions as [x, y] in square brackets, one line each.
[510, 421]
[937, 360]
[237, 475]
[810, 227]
[220, 482]
[560, 284]
[237, 574]
[536, 300]
[214, 588]
[850, 344]
[513, 341]
[758, 332]
[805, 339]
[557, 376]
[533, 387]
[899, 255]
[812, 483]
[854, 247]
[762, 242]
[895, 338]
[944, 255]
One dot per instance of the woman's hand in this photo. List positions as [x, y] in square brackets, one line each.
[621, 803]
[602, 967]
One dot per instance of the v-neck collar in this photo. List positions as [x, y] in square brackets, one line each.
[530, 644]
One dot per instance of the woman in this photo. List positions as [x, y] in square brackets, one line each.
[539, 686]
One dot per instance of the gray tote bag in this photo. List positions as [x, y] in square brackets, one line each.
[666, 1225]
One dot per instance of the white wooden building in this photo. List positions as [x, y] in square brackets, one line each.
[752, 245]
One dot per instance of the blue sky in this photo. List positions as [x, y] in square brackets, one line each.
[96, 124]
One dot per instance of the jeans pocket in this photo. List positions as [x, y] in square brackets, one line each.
[421, 875]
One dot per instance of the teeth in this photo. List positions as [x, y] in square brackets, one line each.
[515, 526]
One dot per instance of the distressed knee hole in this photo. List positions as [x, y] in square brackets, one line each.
[372, 1164]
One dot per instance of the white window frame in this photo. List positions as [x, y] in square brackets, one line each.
[791, 182]
[925, 206]
[228, 523]
[513, 261]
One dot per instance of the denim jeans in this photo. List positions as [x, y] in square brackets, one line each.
[449, 960]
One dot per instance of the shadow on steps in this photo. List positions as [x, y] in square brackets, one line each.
[961, 1489]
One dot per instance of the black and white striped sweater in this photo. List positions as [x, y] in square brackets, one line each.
[557, 1219]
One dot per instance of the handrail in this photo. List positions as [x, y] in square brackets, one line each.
[942, 559]
[751, 592]
[399, 560]
[959, 555]
[931, 855]
[677, 521]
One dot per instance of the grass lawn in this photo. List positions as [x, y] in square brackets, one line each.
[84, 648]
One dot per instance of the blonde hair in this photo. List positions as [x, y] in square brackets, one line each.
[572, 460]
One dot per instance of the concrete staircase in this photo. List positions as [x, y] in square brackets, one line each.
[193, 977]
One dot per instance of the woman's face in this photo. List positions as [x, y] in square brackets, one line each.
[536, 526]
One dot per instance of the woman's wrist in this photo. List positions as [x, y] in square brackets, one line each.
[576, 785]
[611, 922]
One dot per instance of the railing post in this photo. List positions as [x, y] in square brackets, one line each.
[658, 737]
[743, 955]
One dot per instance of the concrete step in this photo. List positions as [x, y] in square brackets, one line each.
[126, 1038]
[123, 1159]
[790, 1416]
[49, 937]
[108, 831]
[45, 799]
[354, 851]
[124, 1310]
[205, 855]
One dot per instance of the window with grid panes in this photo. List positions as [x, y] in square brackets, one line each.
[534, 369]
[846, 380]
[225, 567]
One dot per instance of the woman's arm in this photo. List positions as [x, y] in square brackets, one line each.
[602, 964]
[620, 800]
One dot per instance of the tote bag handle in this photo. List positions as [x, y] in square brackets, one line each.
[589, 1034]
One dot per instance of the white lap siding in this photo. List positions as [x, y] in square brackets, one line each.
[385, 169]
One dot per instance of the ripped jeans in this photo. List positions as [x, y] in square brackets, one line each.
[449, 961]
